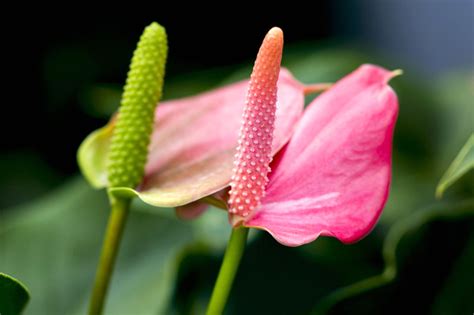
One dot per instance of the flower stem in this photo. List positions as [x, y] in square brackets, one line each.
[213, 201]
[230, 264]
[115, 227]
[316, 88]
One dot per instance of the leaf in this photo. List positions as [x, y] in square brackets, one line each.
[13, 295]
[462, 164]
[389, 250]
[53, 245]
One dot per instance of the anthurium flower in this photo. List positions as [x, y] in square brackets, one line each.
[333, 176]
[193, 143]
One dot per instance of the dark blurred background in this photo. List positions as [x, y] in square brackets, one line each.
[65, 71]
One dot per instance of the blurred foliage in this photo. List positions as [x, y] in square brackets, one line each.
[25, 176]
[53, 246]
[456, 295]
[13, 295]
[462, 164]
[389, 250]
[169, 267]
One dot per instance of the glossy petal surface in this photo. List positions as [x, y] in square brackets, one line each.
[333, 176]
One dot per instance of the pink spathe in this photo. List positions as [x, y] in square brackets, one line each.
[333, 176]
[194, 140]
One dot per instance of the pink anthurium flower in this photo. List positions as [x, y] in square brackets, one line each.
[333, 176]
[193, 143]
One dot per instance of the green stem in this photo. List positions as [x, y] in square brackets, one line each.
[213, 201]
[230, 264]
[113, 235]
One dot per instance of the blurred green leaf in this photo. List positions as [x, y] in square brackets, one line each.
[316, 63]
[101, 100]
[13, 295]
[389, 250]
[53, 245]
[454, 93]
[462, 164]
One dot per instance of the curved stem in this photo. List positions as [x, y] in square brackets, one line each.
[230, 264]
[110, 247]
[316, 88]
[213, 201]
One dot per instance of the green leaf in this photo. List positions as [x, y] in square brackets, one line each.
[53, 245]
[462, 164]
[389, 250]
[13, 295]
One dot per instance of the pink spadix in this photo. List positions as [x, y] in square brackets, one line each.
[254, 151]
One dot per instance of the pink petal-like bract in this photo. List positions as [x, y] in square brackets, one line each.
[333, 176]
[194, 140]
[254, 152]
[191, 210]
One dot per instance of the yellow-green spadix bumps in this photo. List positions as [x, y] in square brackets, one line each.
[131, 136]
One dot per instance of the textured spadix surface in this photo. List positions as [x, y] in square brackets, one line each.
[131, 135]
[254, 150]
